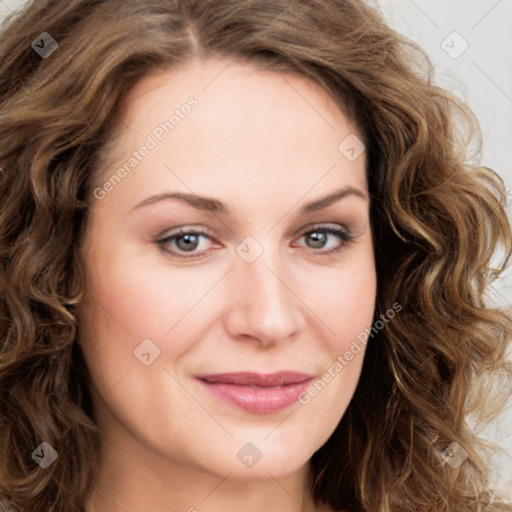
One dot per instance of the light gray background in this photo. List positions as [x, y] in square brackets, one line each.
[482, 76]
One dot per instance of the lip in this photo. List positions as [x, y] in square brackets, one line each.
[256, 392]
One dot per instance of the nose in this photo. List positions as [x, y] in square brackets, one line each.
[264, 304]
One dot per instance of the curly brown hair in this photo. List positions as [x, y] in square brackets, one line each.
[437, 221]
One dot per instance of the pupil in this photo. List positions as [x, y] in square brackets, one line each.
[318, 238]
[191, 241]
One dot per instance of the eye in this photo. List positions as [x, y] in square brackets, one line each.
[188, 240]
[319, 235]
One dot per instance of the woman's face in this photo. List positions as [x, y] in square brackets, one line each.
[254, 293]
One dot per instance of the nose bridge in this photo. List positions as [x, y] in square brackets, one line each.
[263, 304]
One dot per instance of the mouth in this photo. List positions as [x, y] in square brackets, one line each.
[256, 392]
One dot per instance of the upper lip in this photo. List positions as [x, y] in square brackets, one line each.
[257, 379]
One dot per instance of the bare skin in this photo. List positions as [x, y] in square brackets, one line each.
[265, 145]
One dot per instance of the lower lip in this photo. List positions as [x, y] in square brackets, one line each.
[260, 400]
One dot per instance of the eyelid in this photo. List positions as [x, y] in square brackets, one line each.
[321, 225]
[185, 230]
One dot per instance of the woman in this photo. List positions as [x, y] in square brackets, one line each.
[244, 263]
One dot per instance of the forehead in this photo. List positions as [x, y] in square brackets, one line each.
[216, 77]
[249, 127]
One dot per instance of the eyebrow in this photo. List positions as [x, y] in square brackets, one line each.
[212, 205]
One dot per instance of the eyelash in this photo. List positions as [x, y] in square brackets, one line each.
[345, 236]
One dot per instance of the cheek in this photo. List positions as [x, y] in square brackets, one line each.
[353, 308]
[348, 307]
[129, 302]
[344, 299]
[147, 300]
